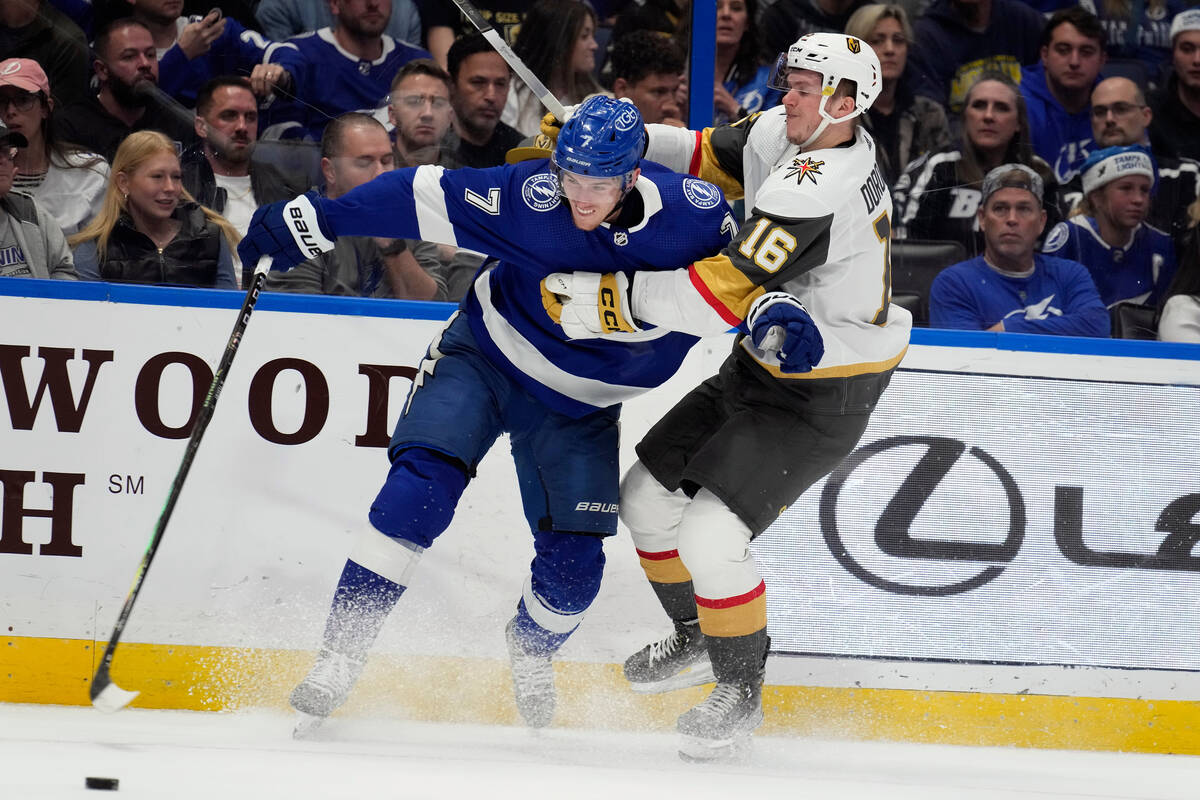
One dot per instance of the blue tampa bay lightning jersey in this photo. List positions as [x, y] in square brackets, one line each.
[329, 81]
[1056, 298]
[1139, 272]
[514, 214]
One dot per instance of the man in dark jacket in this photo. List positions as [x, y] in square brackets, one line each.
[480, 79]
[1177, 106]
[127, 67]
[221, 172]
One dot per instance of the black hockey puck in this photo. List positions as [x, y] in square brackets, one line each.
[109, 784]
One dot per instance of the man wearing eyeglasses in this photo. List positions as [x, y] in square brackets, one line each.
[1120, 116]
[31, 243]
[419, 109]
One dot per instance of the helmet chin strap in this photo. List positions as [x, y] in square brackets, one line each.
[818, 131]
[825, 120]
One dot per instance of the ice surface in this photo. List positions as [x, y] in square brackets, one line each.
[47, 751]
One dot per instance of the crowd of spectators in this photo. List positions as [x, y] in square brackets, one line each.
[1056, 143]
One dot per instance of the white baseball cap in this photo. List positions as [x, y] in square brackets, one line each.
[1105, 166]
[1185, 21]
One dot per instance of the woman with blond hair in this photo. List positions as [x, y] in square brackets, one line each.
[1130, 260]
[904, 125]
[149, 229]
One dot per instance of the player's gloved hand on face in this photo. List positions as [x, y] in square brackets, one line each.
[779, 323]
[589, 304]
[551, 125]
[289, 231]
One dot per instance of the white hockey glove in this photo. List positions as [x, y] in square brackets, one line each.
[589, 304]
[780, 324]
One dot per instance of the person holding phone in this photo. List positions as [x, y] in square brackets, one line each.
[193, 50]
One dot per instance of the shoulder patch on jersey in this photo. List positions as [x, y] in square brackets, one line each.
[1057, 238]
[802, 168]
[540, 191]
[701, 194]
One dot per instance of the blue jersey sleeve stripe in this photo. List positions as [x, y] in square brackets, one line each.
[433, 218]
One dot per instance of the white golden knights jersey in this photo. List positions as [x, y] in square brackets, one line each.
[818, 227]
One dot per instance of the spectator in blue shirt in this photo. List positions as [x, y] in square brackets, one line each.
[282, 19]
[1011, 287]
[348, 67]
[193, 50]
[1058, 89]
[1130, 261]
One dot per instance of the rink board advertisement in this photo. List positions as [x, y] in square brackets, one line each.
[991, 518]
[1003, 508]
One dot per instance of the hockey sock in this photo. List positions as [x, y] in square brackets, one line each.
[677, 599]
[739, 659]
[361, 604]
[533, 637]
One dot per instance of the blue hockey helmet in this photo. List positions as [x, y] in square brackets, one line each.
[604, 138]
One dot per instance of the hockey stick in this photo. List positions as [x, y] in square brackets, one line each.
[106, 695]
[514, 61]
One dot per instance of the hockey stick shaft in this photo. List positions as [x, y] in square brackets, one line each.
[105, 694]
[514, 61]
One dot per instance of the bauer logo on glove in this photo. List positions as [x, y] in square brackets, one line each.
[289, 232]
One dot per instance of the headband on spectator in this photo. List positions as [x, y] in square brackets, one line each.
[1105, 166]
[1002, 178]
[1185, 21]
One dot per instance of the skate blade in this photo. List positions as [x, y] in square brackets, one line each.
[697, 750]
[697, 675]
[306, 725]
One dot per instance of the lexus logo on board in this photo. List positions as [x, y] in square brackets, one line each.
[893, 530]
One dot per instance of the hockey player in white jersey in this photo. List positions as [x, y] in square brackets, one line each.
[807, 281]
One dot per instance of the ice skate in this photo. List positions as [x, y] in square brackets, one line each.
[533, 681]
[325, 688]
[719, 728]
[677, 661]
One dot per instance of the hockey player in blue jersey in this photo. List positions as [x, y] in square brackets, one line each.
[1130, 260]
[502, 364]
